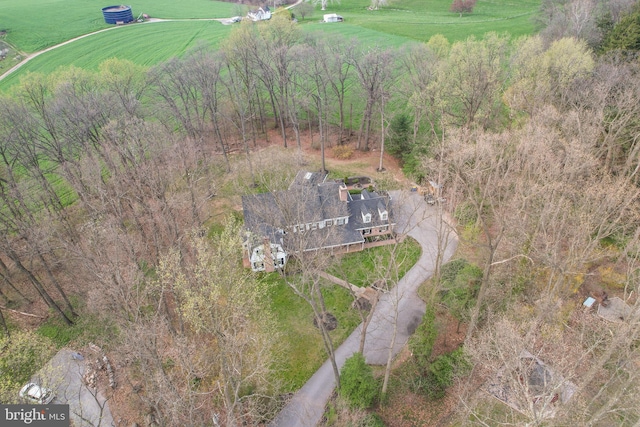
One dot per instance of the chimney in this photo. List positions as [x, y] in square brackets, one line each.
[344, 193]
[268, 258]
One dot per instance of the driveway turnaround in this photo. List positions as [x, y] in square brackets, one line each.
[87, 406]
[422, 222]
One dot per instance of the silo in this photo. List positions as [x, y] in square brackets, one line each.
[117, 14]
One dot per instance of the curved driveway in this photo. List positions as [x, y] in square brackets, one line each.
[420, 221]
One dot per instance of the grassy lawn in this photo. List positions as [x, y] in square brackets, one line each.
[302, 347]
[358, 268]
[421, 19]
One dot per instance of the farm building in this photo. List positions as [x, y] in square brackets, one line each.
[120, 14]
[332, 17]
[260, 14]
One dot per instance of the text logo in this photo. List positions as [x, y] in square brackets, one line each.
[34, 415]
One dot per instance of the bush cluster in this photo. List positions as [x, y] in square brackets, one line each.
[343, 152]
[357, 384]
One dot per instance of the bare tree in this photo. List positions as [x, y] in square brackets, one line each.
[323, 3]
[374, 70]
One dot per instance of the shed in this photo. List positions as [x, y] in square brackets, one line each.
[332, 17]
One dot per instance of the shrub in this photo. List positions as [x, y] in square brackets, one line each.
[422, 341]
[369, 420]
[450, 270]
[465, 214]
[460, 284]
[342, 152]
[400, 131]
[443, 371]
[357, 384]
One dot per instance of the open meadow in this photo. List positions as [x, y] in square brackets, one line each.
[32, 26]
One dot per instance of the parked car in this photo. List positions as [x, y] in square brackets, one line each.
[36, 394]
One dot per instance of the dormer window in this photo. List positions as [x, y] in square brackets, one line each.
[366, 214]
[382, 211]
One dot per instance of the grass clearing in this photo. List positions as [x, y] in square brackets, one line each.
[88, 328]
[358, 268]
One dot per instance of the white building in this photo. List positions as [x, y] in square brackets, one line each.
[332, 17]
[260, 14]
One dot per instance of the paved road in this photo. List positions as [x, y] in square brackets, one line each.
[420, 221]
[87, 407]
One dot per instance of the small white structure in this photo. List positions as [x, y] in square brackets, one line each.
[260, 15]
[332, 17]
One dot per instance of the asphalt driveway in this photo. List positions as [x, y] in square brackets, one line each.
[87, 407]
[422, 222]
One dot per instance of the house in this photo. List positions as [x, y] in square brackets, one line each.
[260, 14]
[312, 214]
[332, 17]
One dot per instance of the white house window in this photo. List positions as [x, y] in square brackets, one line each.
[339, 221]
[384, 215]
[328, 223]
[366, 231]
[314, 226]
[366, 217]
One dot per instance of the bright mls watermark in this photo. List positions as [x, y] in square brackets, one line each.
[34, 415]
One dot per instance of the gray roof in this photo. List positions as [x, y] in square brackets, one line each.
[298, 205]
[325, 238]
[268, 214]
[308, 178]
[371, 205]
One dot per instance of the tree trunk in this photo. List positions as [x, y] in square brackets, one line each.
[36, 283]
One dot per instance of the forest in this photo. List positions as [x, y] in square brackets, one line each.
[118, 209]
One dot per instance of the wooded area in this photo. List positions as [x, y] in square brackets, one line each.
[109, 178]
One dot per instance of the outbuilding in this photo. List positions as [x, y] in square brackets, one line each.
[332, 17]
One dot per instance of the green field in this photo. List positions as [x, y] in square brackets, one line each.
[150, 43]
[144, 44]
[421, 19]
[33, 25]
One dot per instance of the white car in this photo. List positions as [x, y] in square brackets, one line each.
[35, 394]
